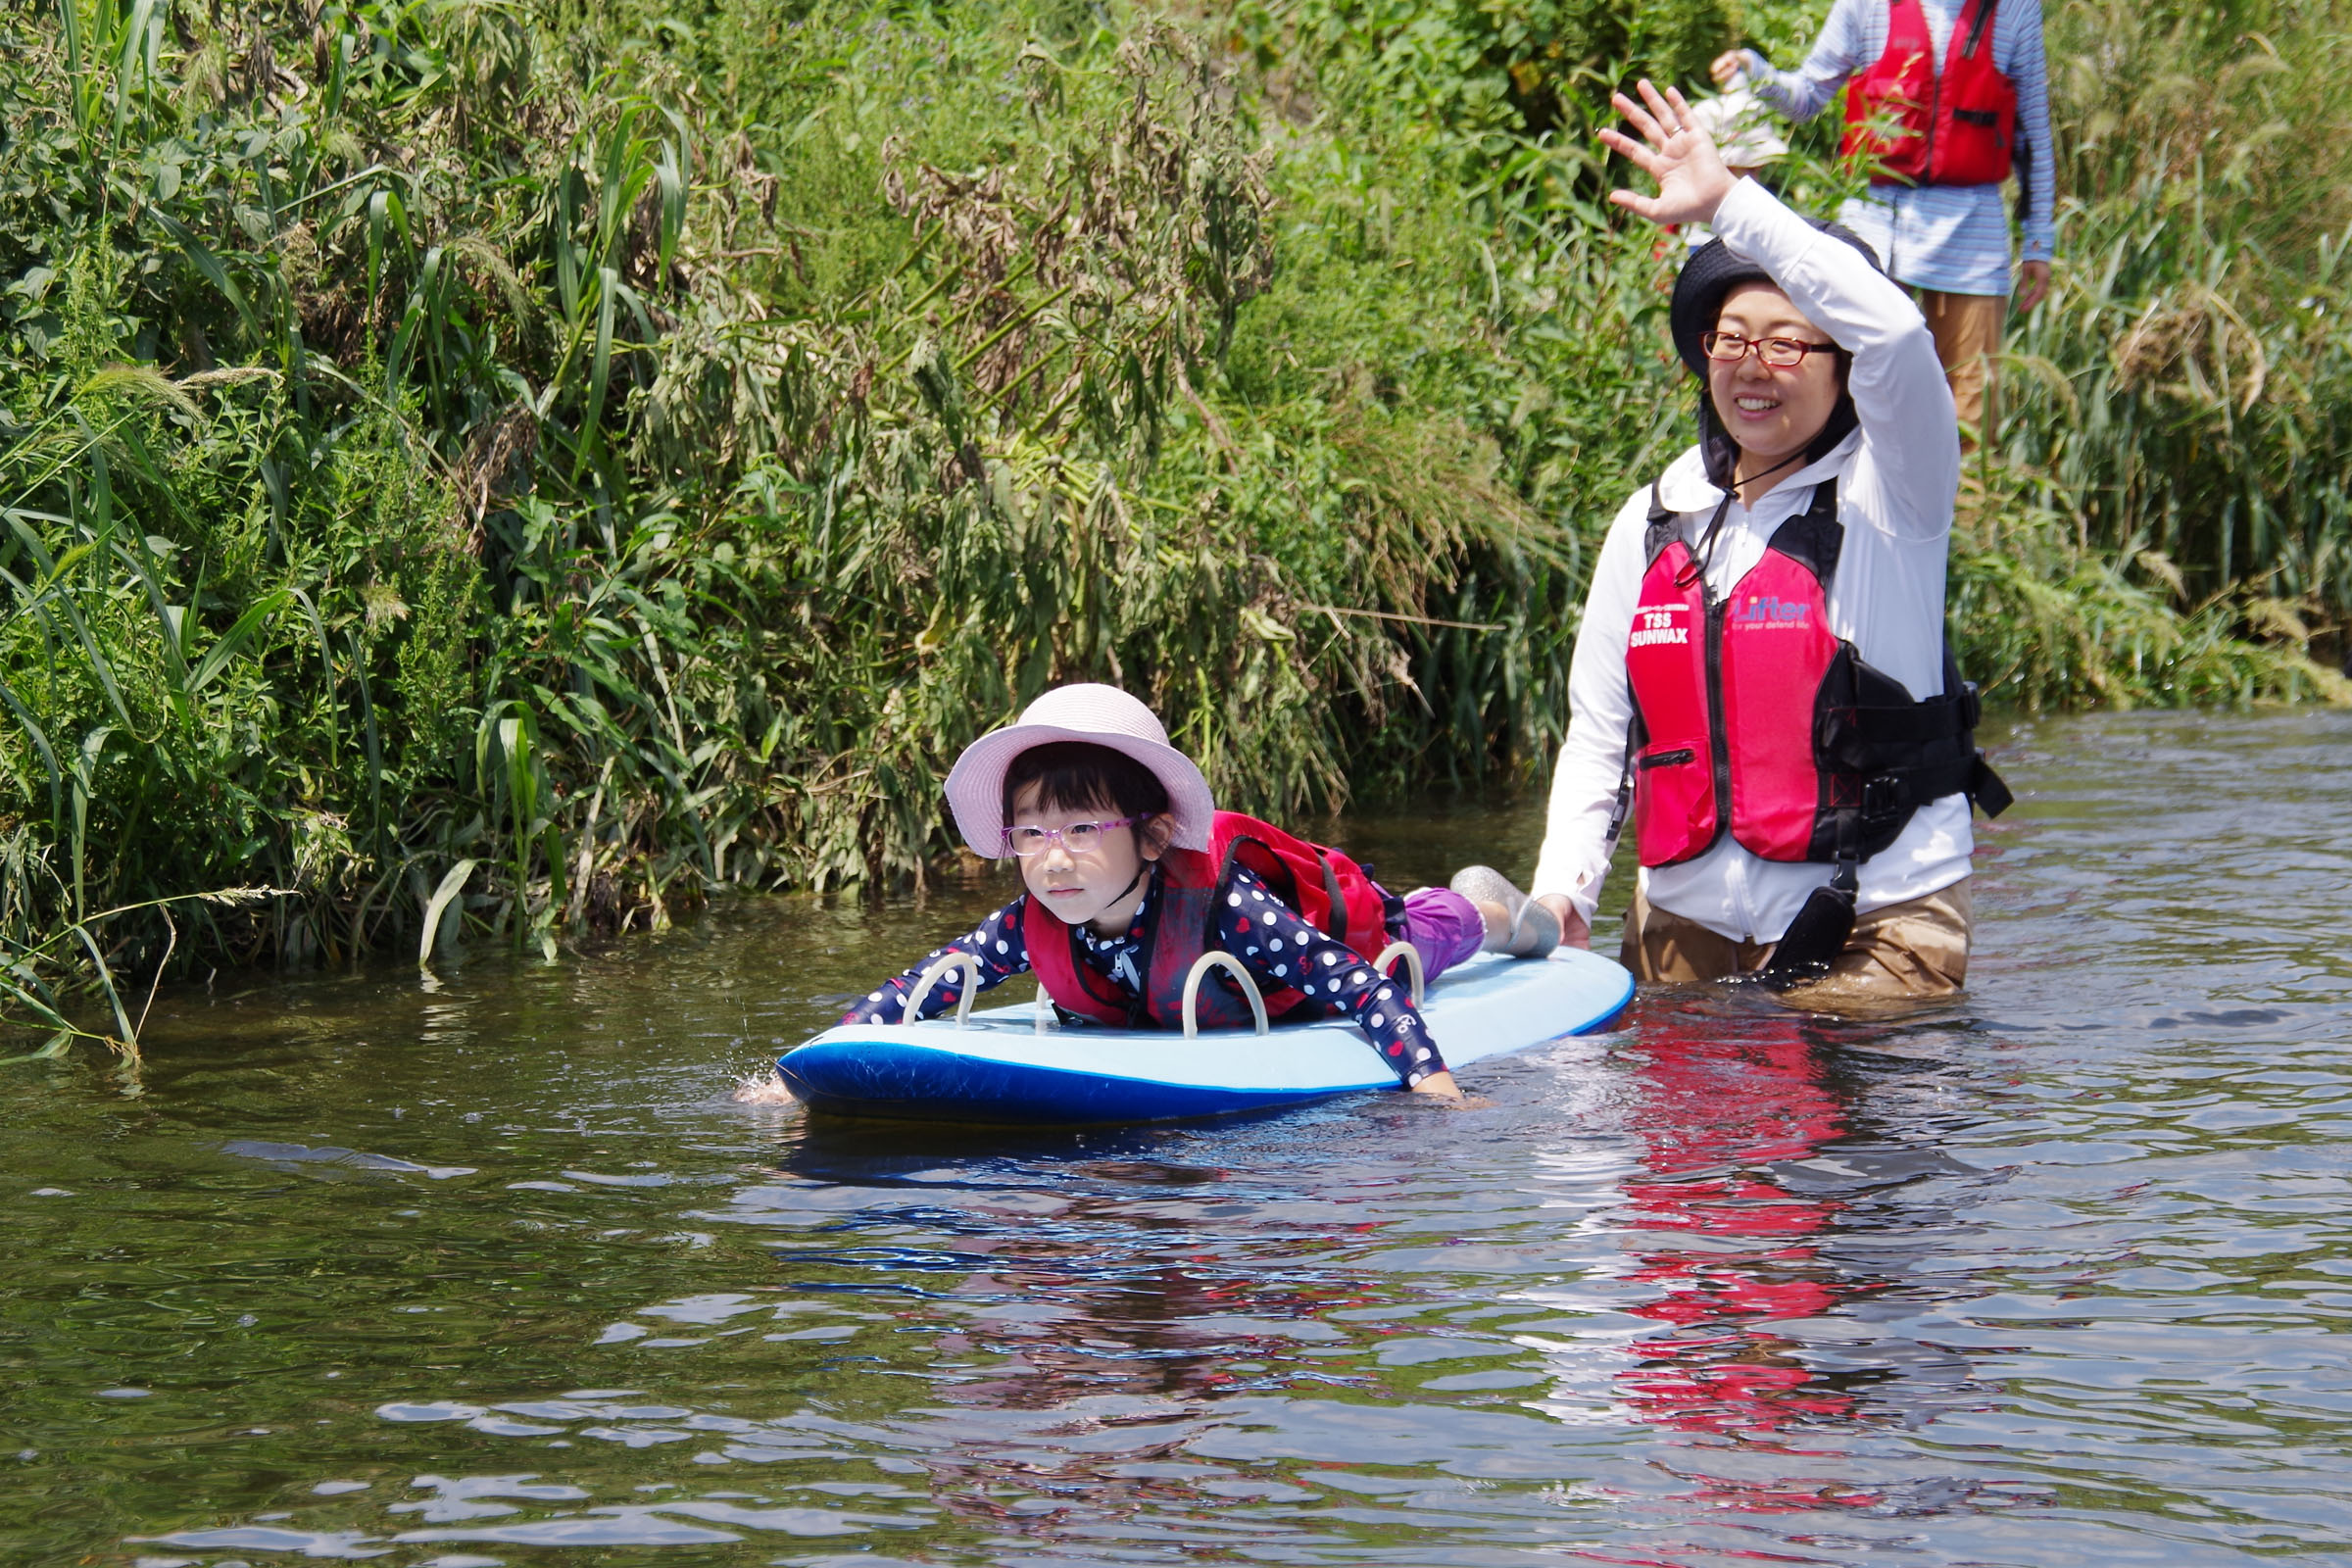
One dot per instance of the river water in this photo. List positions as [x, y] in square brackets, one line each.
[498, 1272]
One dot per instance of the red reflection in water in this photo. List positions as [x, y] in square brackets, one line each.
[1719, 1102]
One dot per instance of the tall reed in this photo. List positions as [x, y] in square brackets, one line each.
[2190, 385]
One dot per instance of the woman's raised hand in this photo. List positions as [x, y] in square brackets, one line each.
[1680, 155]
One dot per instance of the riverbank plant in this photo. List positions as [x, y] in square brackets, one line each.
[511, 469]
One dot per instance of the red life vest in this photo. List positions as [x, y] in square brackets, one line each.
[1751, 716]
[1955, 127]
[1325, 887]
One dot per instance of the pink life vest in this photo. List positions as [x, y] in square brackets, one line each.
[1954, 126]
[1751, 716]
[1326, 888]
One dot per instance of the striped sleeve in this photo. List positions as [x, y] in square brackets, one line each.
[1846, 44]
[2018, 51]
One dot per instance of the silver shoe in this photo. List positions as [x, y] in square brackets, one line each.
[1535, 929]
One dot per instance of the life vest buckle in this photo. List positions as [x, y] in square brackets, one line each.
[1883, 797]
[1972, 706]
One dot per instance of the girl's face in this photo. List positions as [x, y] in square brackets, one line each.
[1771, 413]
[1103, 881]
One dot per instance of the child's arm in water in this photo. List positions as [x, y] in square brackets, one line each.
[997, 944]
[1282, 949]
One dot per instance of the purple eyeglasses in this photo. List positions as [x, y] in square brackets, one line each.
[1079, 837]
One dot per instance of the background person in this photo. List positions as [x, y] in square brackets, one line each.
[1971, 120]
[1800, 544]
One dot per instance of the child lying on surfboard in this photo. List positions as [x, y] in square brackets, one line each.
[1132, 874]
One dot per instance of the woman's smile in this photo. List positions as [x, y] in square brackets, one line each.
[1771, 410]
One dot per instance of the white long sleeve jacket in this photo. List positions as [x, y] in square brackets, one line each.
[1897, 475]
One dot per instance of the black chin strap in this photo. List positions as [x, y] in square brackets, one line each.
[1134, 881]
[1702, 560]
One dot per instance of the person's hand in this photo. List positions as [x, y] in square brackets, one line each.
[1574, 932]
[2033, 286]
[765, 1089]
[1680, 155]
[1729, 68]
[1440, 1083]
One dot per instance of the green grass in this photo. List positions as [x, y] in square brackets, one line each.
[623, 454]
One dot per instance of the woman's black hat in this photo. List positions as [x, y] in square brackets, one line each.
[1713, 271]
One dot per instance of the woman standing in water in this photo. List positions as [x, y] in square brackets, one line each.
[1761, 676]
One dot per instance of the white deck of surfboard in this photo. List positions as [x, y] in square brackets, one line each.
[1488, 1007]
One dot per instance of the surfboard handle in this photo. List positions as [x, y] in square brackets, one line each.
[1214, 960]
[933, 971]
[1413, 966]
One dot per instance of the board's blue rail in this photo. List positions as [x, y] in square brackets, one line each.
[998, 1067]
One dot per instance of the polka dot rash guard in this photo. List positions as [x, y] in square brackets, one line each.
[1278, 947]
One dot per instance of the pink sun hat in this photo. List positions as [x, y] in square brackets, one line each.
[1099, 716]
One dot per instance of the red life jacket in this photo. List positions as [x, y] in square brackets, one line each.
[1322, 885]
[1955, 127]
[1751, 716]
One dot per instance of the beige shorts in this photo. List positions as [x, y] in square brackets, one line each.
[1967, 328]
[1918, 948]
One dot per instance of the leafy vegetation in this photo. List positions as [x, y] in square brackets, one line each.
[2188, 389]
[540, 464]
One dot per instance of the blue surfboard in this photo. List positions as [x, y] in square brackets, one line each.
[998, 1067]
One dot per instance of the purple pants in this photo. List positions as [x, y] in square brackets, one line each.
[1443, 927]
